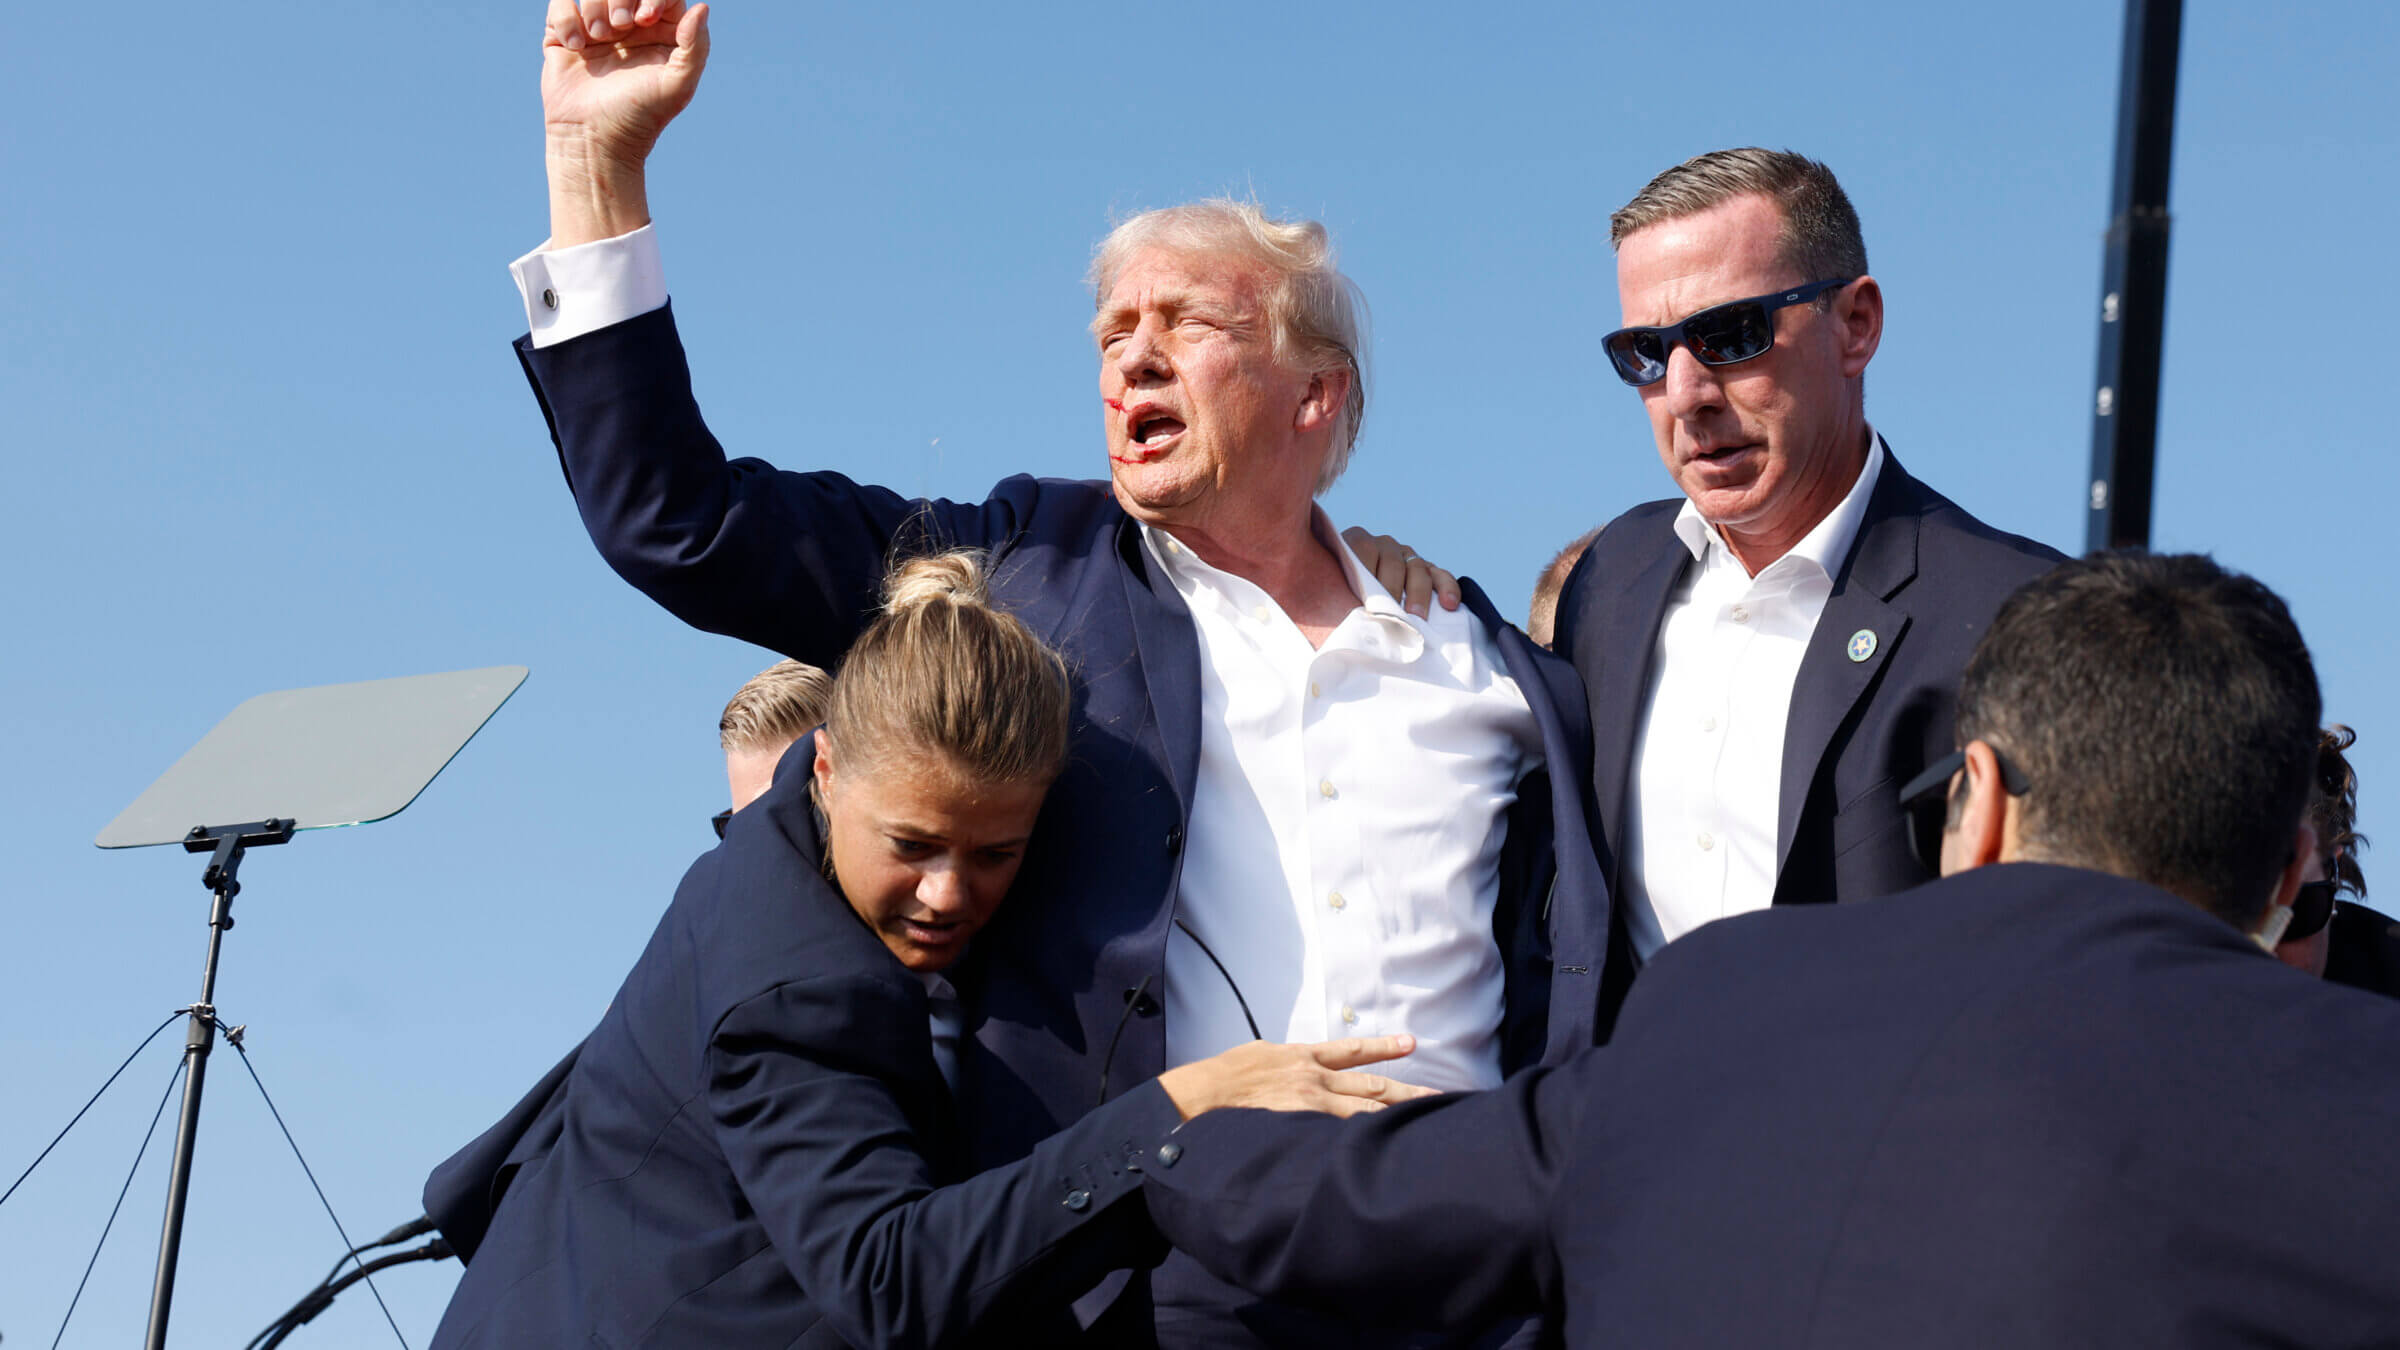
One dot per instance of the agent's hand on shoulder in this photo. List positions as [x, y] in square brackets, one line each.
[1294, 1077]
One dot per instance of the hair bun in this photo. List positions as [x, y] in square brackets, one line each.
[957, 577]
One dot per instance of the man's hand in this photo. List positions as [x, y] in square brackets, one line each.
[1407, 576]
[614, 73]
[1294, 1078]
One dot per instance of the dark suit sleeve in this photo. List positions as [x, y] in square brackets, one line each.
[800, 1088]
[790, 561]
[1437, 1212]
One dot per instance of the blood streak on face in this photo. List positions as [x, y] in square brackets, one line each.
[1114, 404]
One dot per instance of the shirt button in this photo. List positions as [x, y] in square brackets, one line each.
[1078, 1200]
[1741, 614]
[1349, 1015]
[1325, 788]
[1315, 690]
[1708, 724]
[1706, 841]
[1172, 546]
[1337, 901]
[549, 298]
[1264, 614]
[1168, 1152]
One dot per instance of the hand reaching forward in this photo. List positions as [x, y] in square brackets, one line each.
[1294, 1077]
[614, 73]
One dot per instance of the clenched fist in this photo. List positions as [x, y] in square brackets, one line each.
[614, 73]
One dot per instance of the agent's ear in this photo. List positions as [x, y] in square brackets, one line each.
[2287, 889]
[824, 769]
[1858, 318]
[1978, 831]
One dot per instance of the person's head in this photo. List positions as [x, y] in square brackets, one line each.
[774, 708]
[1767, 446]
[1232, 361]
[2333, 868]
[1541, 620]
[947, 724]
[2159, 717]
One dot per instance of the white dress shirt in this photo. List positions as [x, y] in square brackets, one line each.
[1343, 856]
[1707, 778]
[1344, 851]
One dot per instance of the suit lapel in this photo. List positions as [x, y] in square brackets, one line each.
[1169, 647]
[1854, 640]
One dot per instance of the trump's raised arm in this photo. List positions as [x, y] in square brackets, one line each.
[614, 74]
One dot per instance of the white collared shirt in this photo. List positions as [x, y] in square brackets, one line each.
[1343, 854]
[1707, 779]
[1344, 850]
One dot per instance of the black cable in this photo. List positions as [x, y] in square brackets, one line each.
[1133, 998]
[320, 1298]
[312, 1183]
[403, 1233]
[62, 1134]
[1221, 970]
[147, 1135]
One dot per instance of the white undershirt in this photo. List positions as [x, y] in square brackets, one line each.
[1707, 778]
[1344, 850]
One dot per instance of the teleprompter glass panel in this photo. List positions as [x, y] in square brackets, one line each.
[336, 754]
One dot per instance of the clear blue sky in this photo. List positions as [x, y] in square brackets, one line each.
[263, 430]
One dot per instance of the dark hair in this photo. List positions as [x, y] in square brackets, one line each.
[2333, 809]
[2164, 711]
[1821, 237]
[944, 675]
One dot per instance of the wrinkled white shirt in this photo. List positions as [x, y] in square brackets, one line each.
[1344, 851]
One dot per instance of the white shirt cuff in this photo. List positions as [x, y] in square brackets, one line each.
[573, 291]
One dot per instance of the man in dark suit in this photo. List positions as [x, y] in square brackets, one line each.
[2046, 1101]
[1772, 655]
[1293, 811]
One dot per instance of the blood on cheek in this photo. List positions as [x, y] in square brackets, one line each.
[1114, 404]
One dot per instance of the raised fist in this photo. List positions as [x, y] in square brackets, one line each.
[615, 72]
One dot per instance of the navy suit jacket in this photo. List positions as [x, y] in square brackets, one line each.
[2027, 1106]
[746, 1151]
[1923, 576]
[1069, 973]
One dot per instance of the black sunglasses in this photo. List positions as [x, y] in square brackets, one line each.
[1720, 335]
[1931, 789]
[2312, 909]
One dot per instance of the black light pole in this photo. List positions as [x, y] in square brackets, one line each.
[2133, 286]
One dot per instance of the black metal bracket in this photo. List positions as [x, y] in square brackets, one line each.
[227, 843]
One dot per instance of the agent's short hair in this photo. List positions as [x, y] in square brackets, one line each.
[1821, 238]
[1317, 315]
[775, 708]
[2164, 712]
[943, 677]
[2333, 809]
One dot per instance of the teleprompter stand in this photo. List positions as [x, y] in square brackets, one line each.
[297, 759]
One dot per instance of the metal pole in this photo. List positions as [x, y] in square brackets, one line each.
[2133, 288]
[198, 1040]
